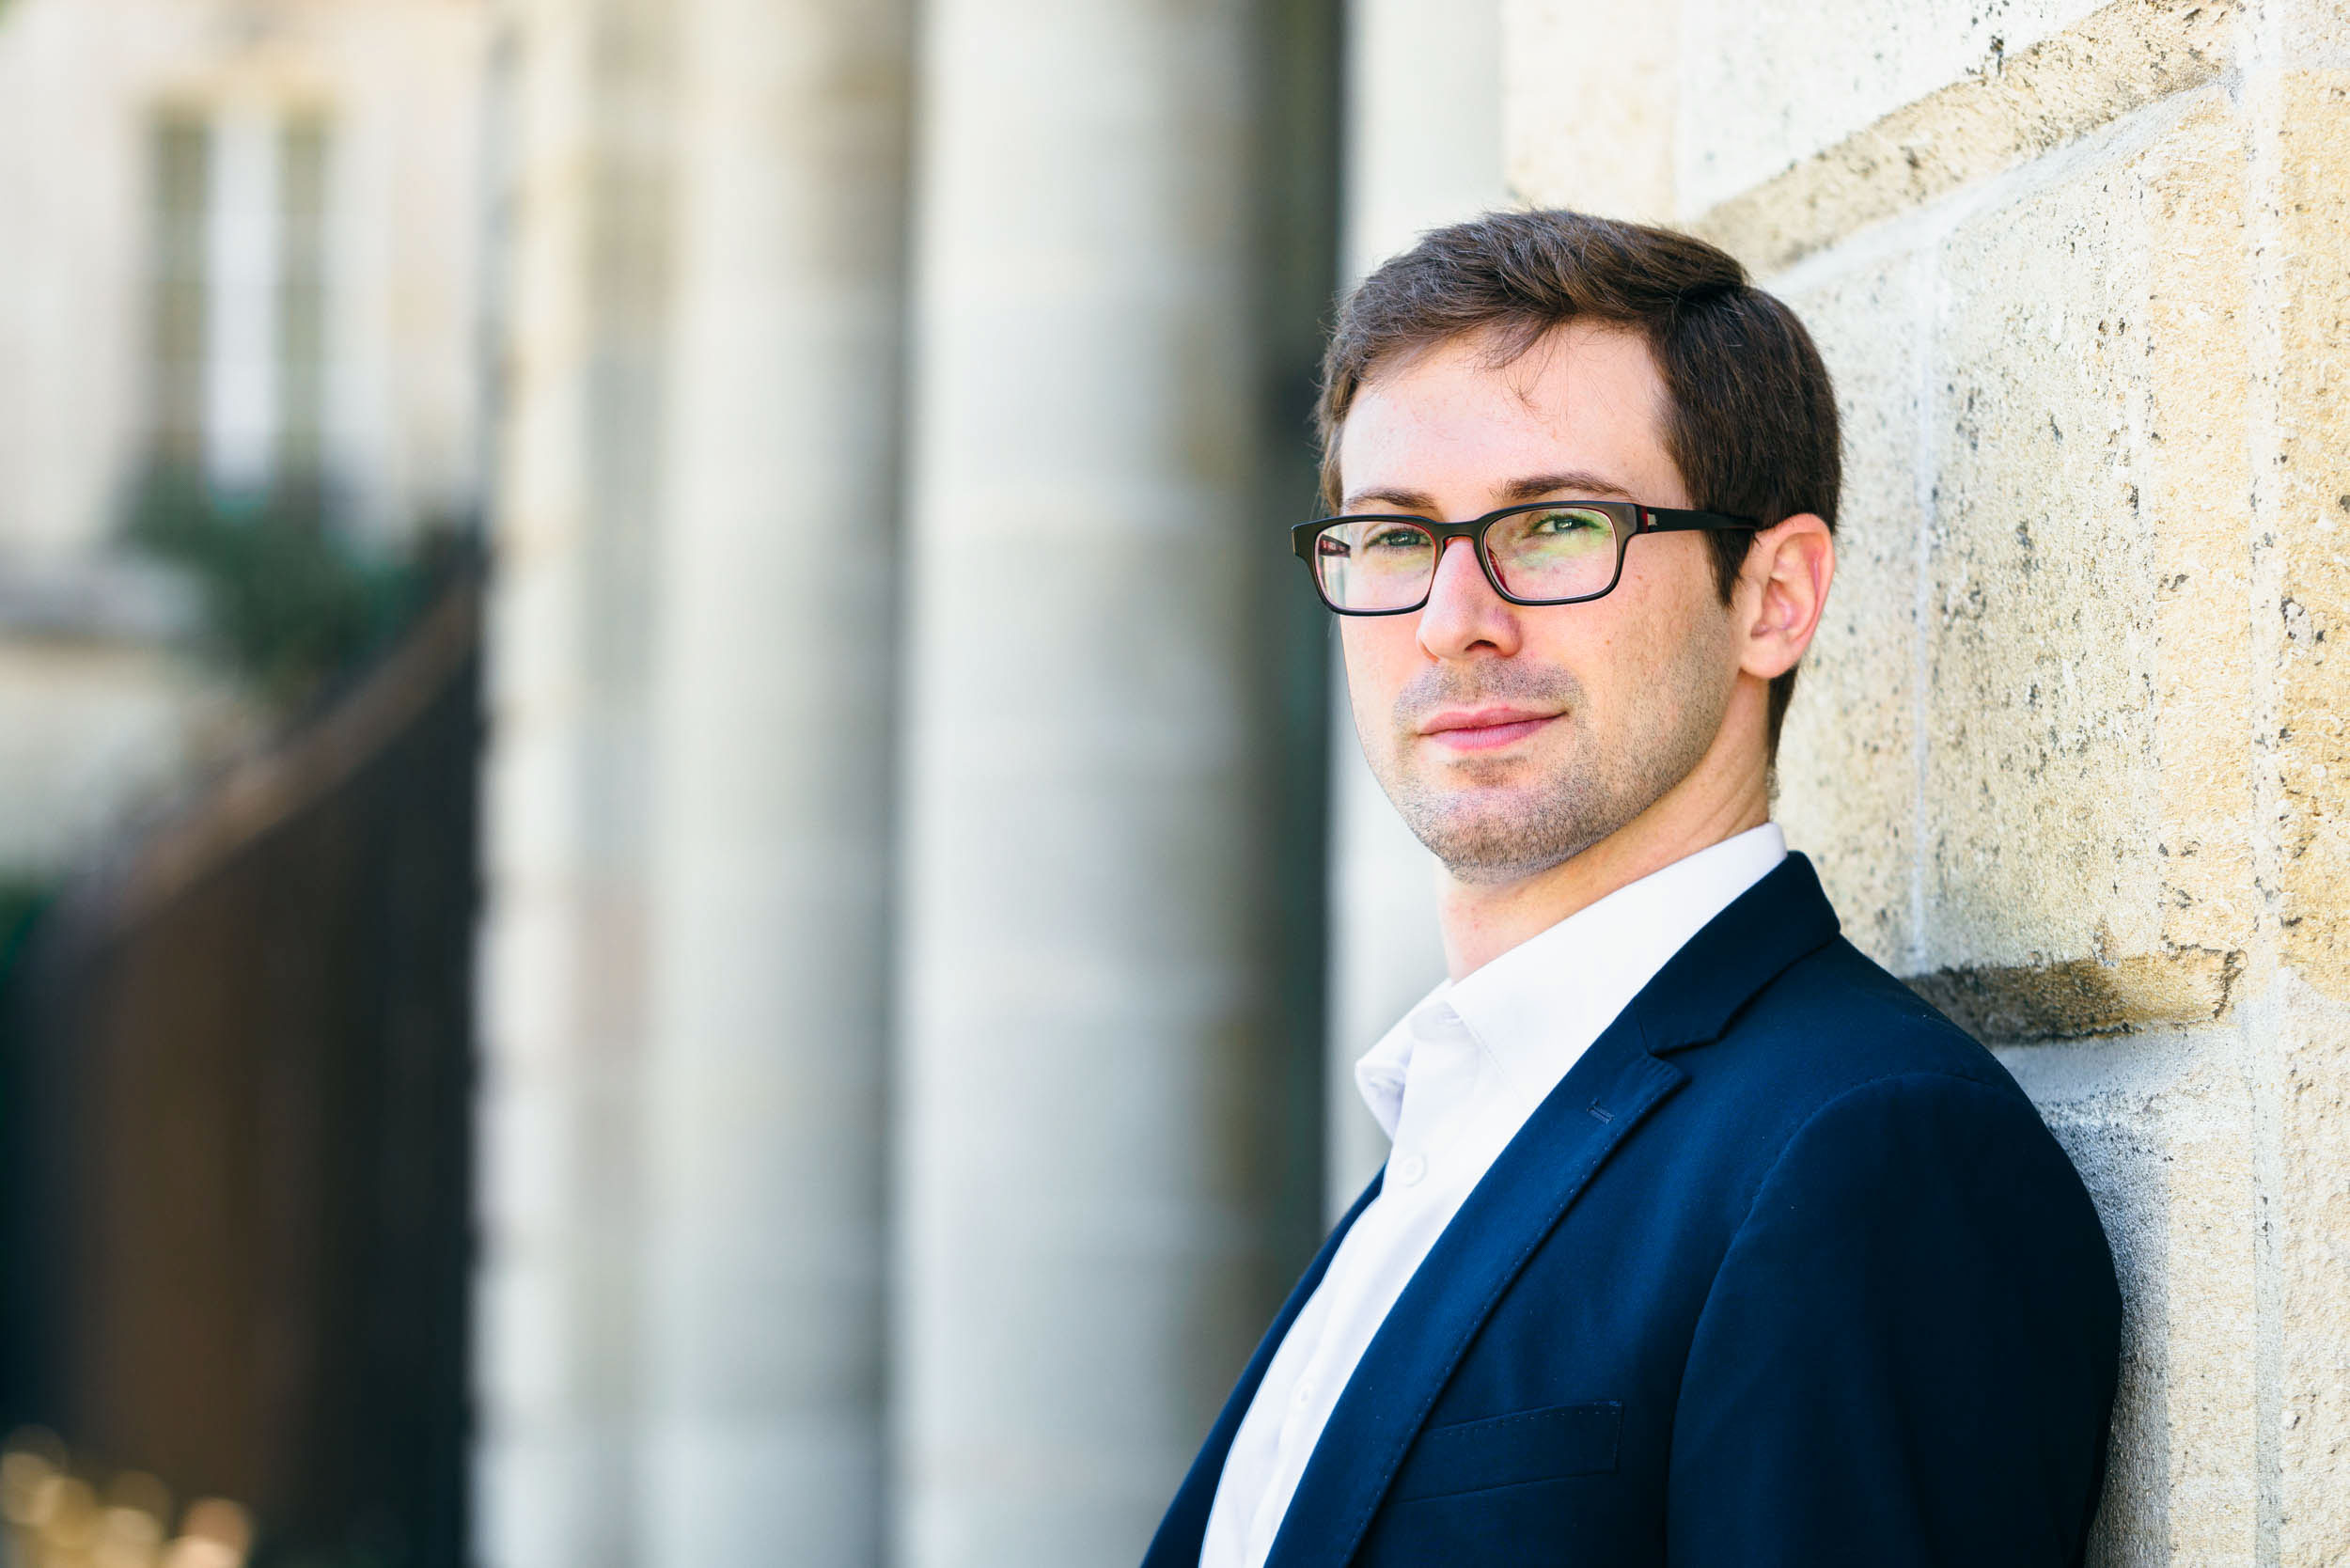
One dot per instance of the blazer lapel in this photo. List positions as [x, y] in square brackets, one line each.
[1595, 1106]
[1185, 1525]
[1601, 1101]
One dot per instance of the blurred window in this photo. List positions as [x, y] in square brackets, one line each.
[182, 181]
[241, 273]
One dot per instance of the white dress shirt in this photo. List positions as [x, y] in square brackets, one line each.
[1452, 1084]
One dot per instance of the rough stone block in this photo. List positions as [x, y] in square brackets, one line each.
[2162, 1130]
[1773, 86]
[2304, 1342]
[2301, 503]
[2013, 107]
[2087, 646]
[2302, 498]
[1847, 775]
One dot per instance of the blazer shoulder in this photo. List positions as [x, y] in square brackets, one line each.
[1835, 1066]
[1835, 1021]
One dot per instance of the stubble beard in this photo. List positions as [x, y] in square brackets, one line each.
[1502, 820]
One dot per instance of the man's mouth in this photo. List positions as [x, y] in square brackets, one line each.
[1482, 728]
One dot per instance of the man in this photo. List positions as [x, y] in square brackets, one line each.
[1702, 1239]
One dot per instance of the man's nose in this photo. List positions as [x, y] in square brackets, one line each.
[1463, 614]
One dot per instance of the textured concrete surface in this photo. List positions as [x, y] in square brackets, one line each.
[2301, 305]
[2007, 111]
[2159, 1126]
[2044, 449]
[2041, 763]
[2302, 500]
[1847, 796]
[1761, 97]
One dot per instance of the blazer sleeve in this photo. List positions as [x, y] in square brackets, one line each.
[1908, 1356]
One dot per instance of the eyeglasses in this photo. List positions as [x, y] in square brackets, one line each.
[1545, 553]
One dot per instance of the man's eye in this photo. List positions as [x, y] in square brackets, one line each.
[1558, 523]
[1399, 539]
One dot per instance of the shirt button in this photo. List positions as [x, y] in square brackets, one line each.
[1305, 1395]
[1411, 1169]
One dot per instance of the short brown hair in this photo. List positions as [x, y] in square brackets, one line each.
[1752, 423]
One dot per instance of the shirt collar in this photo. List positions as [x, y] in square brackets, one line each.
[1535, 1008]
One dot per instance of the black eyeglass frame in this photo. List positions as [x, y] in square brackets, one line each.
[1631, 518]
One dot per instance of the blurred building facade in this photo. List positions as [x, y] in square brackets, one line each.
[929, 905]
[243, 340]
[246, 246]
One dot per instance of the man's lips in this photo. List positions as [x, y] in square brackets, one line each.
[1482, 728]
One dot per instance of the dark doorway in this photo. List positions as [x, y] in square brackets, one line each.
[238, 1080]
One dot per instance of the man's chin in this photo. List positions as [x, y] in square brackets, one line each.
[1487, 841]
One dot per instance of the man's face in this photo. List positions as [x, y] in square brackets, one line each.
[1512, 738]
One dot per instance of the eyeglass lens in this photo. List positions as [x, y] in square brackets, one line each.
[1389, 563]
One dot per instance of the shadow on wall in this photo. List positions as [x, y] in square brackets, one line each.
[2085, 998]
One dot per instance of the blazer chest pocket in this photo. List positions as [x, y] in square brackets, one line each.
[1509, 1451]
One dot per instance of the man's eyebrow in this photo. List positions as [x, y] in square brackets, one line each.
[1417, 502]
[1533, 487]
[1575, 481]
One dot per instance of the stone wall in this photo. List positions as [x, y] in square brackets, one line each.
[2068, 750]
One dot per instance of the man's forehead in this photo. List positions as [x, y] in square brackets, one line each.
[1580, 410]
[1574, 359]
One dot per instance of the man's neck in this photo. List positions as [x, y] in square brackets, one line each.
[1480, 921]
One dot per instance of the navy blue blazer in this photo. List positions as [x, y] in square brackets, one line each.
[1786, 1273]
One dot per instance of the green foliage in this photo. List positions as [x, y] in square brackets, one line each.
[21, 903]
[289, 602]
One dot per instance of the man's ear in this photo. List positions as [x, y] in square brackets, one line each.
[1782, 588]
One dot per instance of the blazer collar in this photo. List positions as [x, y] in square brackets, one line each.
[1779, 919]
[1601, 1101]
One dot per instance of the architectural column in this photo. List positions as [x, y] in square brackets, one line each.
[1092, 1124]
[581, 235]
[774, 670]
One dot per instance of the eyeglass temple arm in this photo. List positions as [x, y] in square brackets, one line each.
[1674, 520]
